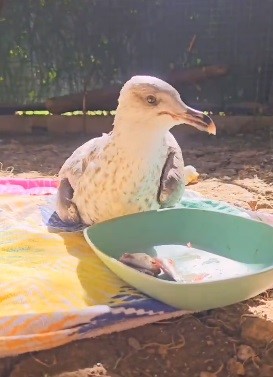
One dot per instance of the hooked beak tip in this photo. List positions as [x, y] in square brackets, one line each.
[211, 129]
[200, 120]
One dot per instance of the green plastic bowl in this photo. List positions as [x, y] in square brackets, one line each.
[233, 255]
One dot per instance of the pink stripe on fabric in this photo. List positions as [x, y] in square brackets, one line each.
[21, 186]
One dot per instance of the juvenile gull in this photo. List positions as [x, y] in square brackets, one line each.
[136, 167]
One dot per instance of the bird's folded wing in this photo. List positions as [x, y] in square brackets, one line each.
[76, 164]
[172, 182]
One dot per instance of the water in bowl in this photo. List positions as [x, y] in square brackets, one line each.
[197, 265]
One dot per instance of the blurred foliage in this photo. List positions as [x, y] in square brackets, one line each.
[55, 47]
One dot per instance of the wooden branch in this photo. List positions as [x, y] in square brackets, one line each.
[196, 75]
[97, 99]
[249, 108]
[106, 98]
[11, 108]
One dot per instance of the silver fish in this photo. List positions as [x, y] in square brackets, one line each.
[141, 262]
[151, 266]
[168, 266]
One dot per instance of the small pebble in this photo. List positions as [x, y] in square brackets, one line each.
[235, 367]
[134, 343]
[207, 374]
[210, 342]
[245, 352]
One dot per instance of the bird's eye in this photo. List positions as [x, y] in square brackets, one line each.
[151, 100]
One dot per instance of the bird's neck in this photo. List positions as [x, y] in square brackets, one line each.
[137, 136]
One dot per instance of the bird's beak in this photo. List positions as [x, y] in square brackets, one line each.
[198, 120]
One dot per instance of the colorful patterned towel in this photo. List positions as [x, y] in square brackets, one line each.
[53, 289]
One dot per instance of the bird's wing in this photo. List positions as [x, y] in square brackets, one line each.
[172, 182]
[76, 164]
[71, 173]
[65, 208]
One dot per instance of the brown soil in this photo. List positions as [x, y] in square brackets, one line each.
[231, 341]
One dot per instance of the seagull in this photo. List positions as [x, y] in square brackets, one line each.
[136, 167]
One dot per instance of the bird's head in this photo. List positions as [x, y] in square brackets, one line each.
[154, 103]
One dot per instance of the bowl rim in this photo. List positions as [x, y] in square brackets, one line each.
[184, 209]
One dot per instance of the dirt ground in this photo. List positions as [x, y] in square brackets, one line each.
[232, 341]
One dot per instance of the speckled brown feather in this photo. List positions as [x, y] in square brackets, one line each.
[69, 174]
[66, 209]
[172, 182]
